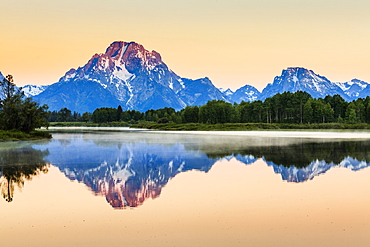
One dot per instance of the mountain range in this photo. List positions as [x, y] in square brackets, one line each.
[137, 79]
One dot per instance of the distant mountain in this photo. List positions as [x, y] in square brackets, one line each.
[295, 79]
[81, 96]
[128, 75]
[365, 92]
[29, 90]
[199, 92]
[247, 93]
[227, 93]
[33, 90]
[354, 88]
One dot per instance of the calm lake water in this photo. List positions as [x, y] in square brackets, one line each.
[116, 187]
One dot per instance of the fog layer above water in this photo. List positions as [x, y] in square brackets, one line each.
[131, 166]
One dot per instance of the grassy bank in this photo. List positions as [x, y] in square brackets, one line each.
[219, 127]
[14, 135]
[83, 124]
[252, 126]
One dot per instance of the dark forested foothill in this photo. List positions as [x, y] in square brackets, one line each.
[19, 114]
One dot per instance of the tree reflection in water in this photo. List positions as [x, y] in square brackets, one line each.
[19, 165]
[131, 170]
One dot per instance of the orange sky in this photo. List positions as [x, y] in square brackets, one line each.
[233, 42]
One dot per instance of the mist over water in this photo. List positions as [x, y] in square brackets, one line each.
[234, 178]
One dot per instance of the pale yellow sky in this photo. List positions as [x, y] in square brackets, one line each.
[233, 42]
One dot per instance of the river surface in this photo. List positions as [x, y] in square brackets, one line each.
[122, 187]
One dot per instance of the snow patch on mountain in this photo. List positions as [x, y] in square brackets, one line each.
[353, 88]
[33, 90]
[295, 79]
[120, 70]
[345, 86]
[247, 93]
[226, 92]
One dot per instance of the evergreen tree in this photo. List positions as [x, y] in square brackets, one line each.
[299, 100]
[217, 111]
[8, 88]
[119, 112]
[355, 112]
[64, 115]
[86, 117]
[338, 104]
[18, 113]
[190, 114]
[308, 111]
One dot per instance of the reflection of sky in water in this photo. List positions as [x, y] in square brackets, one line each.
[128, 168]
[229, 204]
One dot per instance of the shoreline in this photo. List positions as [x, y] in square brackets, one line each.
[311, 133]
[171, 126]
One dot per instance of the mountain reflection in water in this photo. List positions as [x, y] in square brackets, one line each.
[130, 173]
[129, 170]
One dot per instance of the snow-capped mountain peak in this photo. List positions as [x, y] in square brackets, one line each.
[353, 88]
[295, 79]
[33, 90]
[246, 93]
[227, 91]
[128, 75]
[299, 77]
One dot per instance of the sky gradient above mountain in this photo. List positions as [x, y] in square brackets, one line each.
[232, 42]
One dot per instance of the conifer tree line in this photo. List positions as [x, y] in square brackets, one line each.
[18, 112]
[66, 115]
[287, 107]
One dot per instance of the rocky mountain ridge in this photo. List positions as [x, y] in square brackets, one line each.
[33, 90]
[127, 74]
